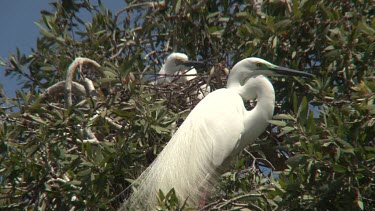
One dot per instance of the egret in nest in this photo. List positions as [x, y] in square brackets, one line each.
[178, 68]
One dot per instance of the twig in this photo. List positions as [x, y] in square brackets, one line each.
[210, 205]
[109, 120]
[92, 141]
[254, 158]
[238, 198]
[160, 4]
[249, 204]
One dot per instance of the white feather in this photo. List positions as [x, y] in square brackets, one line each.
[215, 131]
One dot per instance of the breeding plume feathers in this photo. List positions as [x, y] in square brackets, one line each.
[191, 161]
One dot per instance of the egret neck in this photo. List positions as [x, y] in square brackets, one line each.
[256, 120]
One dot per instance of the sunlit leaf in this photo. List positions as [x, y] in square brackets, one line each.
[277, 122]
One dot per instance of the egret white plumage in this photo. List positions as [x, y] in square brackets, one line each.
[178, 68]
[215, 131]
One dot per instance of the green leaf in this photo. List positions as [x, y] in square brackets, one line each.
[44, 31]
[178, 6]
[295, 103]
[218, 33]
[84, 172]
[37, 119]
[329, 48]
[108, 72]
[31, 150]
[302, 111]
[360, 204]
[371, 149]
[107, 80]
[294, 54]
[339, 168]
[296, 160]
[345, 144]
[48, 68]
[284, 116]
[126, 67]
[287, 129]
[275, 42]
[224, 19]
[311, 125]
[277, 123]
[213, 14]
[283, 25]
[362, 26]
[337, 154]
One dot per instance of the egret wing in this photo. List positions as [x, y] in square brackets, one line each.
[201, 145]
[218, 119]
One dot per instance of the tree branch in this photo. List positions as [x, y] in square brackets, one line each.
[69, 77]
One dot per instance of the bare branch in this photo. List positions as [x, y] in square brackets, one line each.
[57, 88]
[90, 89]
[69, 77]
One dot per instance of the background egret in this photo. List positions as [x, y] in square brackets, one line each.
[178, 68]
[215, 131]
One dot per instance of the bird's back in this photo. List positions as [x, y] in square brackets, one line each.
[168, 75]
[190, 161]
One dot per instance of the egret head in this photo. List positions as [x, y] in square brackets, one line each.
[179, 62]
[252, 67]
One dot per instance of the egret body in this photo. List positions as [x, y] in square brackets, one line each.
[215, 131]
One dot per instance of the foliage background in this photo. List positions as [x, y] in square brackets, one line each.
[57, 155]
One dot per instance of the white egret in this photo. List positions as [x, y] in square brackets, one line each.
[178, 68]
[215, 131]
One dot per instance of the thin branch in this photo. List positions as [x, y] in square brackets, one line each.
[255, 158]
[249, 204]
[238, 198]
[210, 205]
[109, 120]
[90, 89]
[59, 88]
[160, 4]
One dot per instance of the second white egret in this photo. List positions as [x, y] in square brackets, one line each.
[177, 68]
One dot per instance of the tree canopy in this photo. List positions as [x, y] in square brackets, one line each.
[86, 121]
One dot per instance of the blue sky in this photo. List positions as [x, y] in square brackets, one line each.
[18, 30]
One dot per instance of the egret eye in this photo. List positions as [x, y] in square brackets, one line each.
[258, 64]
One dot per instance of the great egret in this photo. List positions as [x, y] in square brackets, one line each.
[215, 131]
[178, 68]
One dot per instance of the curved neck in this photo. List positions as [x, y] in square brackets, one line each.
[256, 120]
[235, 80]
[265, 95]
